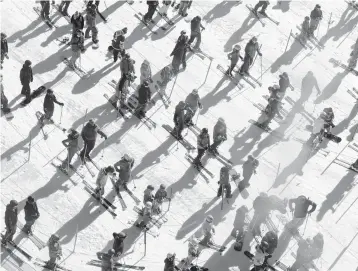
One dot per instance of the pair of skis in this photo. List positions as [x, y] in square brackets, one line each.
[35, 239]
[165, 17]
[12, 243]
[313, 39]
[233, 79]
[81, 73]
[344, 66]
[165, 98]
[65, 170]
[183, 141]
[43, 263]
[299, 39]
[98, 263]
[200, 168]
[353, 93]
[346, 164]
[263, 16]
[48, 22]
[222, 159]
[213, 246]
[121, 200]
[156, 220]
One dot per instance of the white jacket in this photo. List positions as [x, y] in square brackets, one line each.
[102, 178]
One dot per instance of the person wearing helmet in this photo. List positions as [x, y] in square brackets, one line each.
[219, 136]
[203, 144]
[166, 74]
[271, 110]
[263, 5]
[10, 222]
[107, 260]
[147, 215]
[102, 179]
[316, 16]
[192, 103]
[118, 43]
[26, 78]
[31, 214]
[252, 47]
[179, 52]
[169, 262]
[300, 207]
[144, 97]
[196, 28]
[4, 48]
[127, 76]
[71, 144]
[118, 244]
[184, 6]
[271, 239]
[63, 7]
[55, 251]
[240, 227]
[91, 24]
[152, 6]
[49, 106]
[148, 194]
[159, 198]
[89, 136]
[234, 58]
[124, 168]
[178, 119]
[284, 82]
[248, 168]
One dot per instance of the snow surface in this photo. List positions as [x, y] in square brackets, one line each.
[86, 228]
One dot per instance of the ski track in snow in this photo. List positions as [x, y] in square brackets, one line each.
[70, 211]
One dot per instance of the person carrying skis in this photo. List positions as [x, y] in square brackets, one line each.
[10, 222]
[169, 262]
[206, 232]
[144, 97]
[322, 125]
[31, 214]
[118, 43]
[203, 144]
[219, 135]
[77, 47]
[166, 75]
[45, 9]
[179, 120]
[124, 169]
[152, 6]
[4, 101]
[71, 144]
[4, 48]
[224, 182]
[196, 28]
[234, 58]
[147, 215]
[316, 16]
[102, 179]
[63, 7]
[248, 168]
[271, 110]
[179, 52]
[305, 30]
[89, 136]
[184, 6]
[192, 103]
[250, 51]
[107, 261]
[300, 211]
[91, 24]
[145, 72]
[49, 106]
[26, 78]
[118, 244]
[159, 198]
[55, 251]
[148, 194]
[263, 5]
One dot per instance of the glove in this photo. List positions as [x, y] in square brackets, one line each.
[105, 137]
[62, 104]
[260, 54]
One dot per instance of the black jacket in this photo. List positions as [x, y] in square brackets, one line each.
[118, 245]
[49, 102]
[31, 211]
[26, 75]
[4, 48]
[10, 217]
[144, 94]
[78, 23]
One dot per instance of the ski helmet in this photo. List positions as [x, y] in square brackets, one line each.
[146, 83]
[209, 219]
[264, 245]
[122, 235]
[237, 47]
[205, 130]
[125, 30]
[110, 169]
[146, 62]
[91, 121]
[30, 199]
[195, 91]
[254, 39]
[302, 198]
[28, 63]
[183, 32]
[55, 237]
[169, 255]
[307, 18]
[150, 187]
[3, 36]
[198, 18]
[50, 91]
[162, 186]
[126, 157]
[148, 204]
[13, 203]
[127, 55]
[285, 75]
[318, 6]
[221, 120]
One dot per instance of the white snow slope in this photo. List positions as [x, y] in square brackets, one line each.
[285, 170]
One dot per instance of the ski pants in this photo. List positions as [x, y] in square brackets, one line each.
[45, 11]
[64, 6]
[200, 154]
[116, 53]
[149, 15]
[197, 36]
[29, 224]
[216, 144]
[75, 55]
[183, 60]
[142, 109]
[9, 234]
[120, 95]
[232, 67]
[87, 147]
[99, 190]
[178, 129]
[246, 65]
[262, 4]
[26, 90]
[183, 8]
[227, 187]
[71, 152]
[314, 25]
[295, 223]
[94, 31]
[52, 262]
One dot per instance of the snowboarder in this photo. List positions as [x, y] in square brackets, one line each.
[179, 120]
[108, 261]
[248, 168]
[91, 24]
[145, 72]
[322, 125]
[355, 165]
[316, 16]
[49, 106]
[179, 52]
[250, 50]
[184, 6]
[262, 207]
[63, 7]
[127, 76]
[240, 227]
[159, 198]
[78, 23]
[118, 244]
[224, 182]
[164, 8]
[263, 5]
[89, 136]
[31, 214]
[55, 251]
[102, 179]
[148, 194]
[4, 101]
[71, 143]
[196, 28]
[26, 78]
[124, 169]
[144, 97]
[192, 103]
[152, 6]
[305, 30]
[203, 144]
[300, 212]
[166, 75]
[10, 221]
[169, 262]
[234, 58]
[147, 215]
[284, 82]
[4, 48]
[45, 9]
[271, 110]
[118, 43]
[205, 233]
[219, 135]
[308, 250]
[77, 47]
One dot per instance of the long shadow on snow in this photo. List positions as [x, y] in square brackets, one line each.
[63, 30]
[21, 33]
[38, 31]
[170, 28]
[337, 194]
[220, 10]
[282, 245]
[51, 62]
[112, 8]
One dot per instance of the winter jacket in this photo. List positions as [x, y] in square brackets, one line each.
[91, 17]
[26, 75]
[316, 14]
[224, 175]
[102, 178]
[203, 141]
[166, 74]
[251, 49]
[31, 211]
[179, 115]
[195, 25]
[147, 211]
[72, 142]
[249, 166]
[160, 195]
[193, 101]
[148, 196]
[78, 43]
[180, 45]
[118, 245]
[124, 168]
[301, 207]
[272, 239]
[107, 262]
[145, 72]
[234, 56]
[77, 23]
[4, 47]
[306, 26]
[152, 3]
[89, 132]
[219, 132]
[272, 107]
[205, 229]
[127, 66]
[54, 248]
[144, 94]
[10, 217]
[118, 40]
[169, 264]
[259, 257]
[284, 84]
[49, 102]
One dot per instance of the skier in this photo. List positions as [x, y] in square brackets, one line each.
[49, 106]
[26, 78]
[108, 261]
[316, 16]
[145, 72]
[77, 22]
[144, 97]
[4, 48]
[45, 9]
[179, 120]
[355, 165]
[300, 212]
[147, 216]
[196, 28]
[164, 8]
[152, 6]
[234, 58]
[352, 63]
[169, 262]
[31, 214]
[148, 194]
[284, 82]
[77, 47]
[271, 110]
[248, 168]
[322, 125]
[308, 250]
[118, 244]
[250, 50]
[240, 227]
[102, 179]
[124, 169]
[224, 182]
[205, 233]
[184, 6]
[127, 76]
[71, 143]
[91, 24]
[118, 43]
[179, 52]
[63, 7]
[305, 30]
[260, 258]
[97, 5]
[263, 5]
[4, 101]
[159, 198]
[271, 239]
[55, 251]
[219, 135]
[10, 222]
[262, 207]
[192, 103]
[203, 144]
[89, 135]
[193, 252]
[166, 75]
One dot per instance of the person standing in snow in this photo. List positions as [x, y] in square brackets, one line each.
[144, 97]
[91, 24]
[224, 182]
[55, 251]
[63, 7]
[184, 6]
[206, 232]
[145, 72]
[262, 208]
[89, 136]
[10, 222]
[166, 75]
[316, 17]
[78, 23]
[203, 144]
[147, 215]
[127, 76]
[169, 262]
[49, 106]
[219, 135]
[179, 120]
[305, 30]
[159, 198]
[45, 9]
[179, 52]
[192, 103]
[118, 43]
[271, 110]
[284, 82]
[118, 244]
[4, 101]
[4, 48]
[26, 78]
[31, 214]
[300, 211]
[71, 144]
[77, 47]
[148, 194]
[124, 168]
[248, 168]
[196, 28]
[263, 5]
[97, 5]
[260, 257]
[152, 6]
[234, 58]
[250, 51]
[102, 179]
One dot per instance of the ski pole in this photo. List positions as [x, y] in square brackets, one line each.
[288, 40]
[261, 68]
[329, 22]
[319, 23]
[28, 158]
[304, 230]
[61, 115]
[104, 146]
[222, 197]
[84, 119]
[197, 117]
